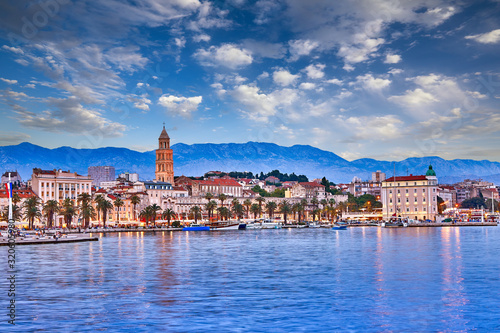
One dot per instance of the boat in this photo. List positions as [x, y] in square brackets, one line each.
[340, 226]
[226, 225]
[196, 227]
[254, 225]
[314, 225]
[268, 224]
[395, 222]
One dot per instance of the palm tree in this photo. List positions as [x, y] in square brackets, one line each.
[50, 208]
[16, 213]
[235, 202]
[16, 199]
[209, 208]
[209, 196]
[86, 210]
[324, 206]
[260, 200]
[105, 206]
[222, 197]
[303, 204]
[299, 208]
[155, 208]
[238, 210]
[68, 210]
[147, 214]
[224, 213]
[271, 207]
[32, 210]
[196, 211]
[98, 200]
[118, 203]
[247, 203]
[168, 214]
[135, 200]
[256, 210]
[316, 211]
[285, 209]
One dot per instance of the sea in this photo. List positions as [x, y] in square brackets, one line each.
[363, 279]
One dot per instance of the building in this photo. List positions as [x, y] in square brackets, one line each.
[15, 178]
[100, 174]
[129, 176]
[414, 197]
[59, 185]
[164, 171]
[359, 188]
[23, 194]
[307, 190]
[229, 187]
[378, 176]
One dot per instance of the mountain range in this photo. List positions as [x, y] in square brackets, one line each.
[196, 159]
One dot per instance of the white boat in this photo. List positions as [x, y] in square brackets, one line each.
[226, 225]
[314, 225]
[254, 225]
[395, 222]
[268, 224]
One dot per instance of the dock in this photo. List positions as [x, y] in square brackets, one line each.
[50, 240]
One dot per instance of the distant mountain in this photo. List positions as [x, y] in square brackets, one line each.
[195, 160]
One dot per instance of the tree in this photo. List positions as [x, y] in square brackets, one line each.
[324, 206]
[303, 204]
[271, 207]
[135, 200]
[16, 213]
[247, 203]
[222, 197]
[16, 199]
[224, 213]
[50, 208]
[98, 200]
[209, 196]
[118, 203]
[196, 211]
[234, 202]
[209, 208]
[256, 210]
[86, 210]
[105, 206]
[68, 210]
[441, 205]
[32, 210]
[285, 209]
[316, 212]
[238, 210]
[168, 214]
[298, 208]
[474, 203]
[155, 208]
[146, 214]
[260, 200]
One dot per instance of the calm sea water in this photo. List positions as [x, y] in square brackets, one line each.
[306, 280]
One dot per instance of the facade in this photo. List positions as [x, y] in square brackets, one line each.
[100, 174]
[15, 178]
[164, 171]
[23, 194]
[130, 176]
[229, 187]
[378, 176]
[308, 190]
[360, 188]
[414, 197]
[59, 185]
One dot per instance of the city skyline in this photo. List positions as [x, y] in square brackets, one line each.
[384, 80]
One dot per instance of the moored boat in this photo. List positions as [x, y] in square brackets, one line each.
[196, 227]
[227, 225]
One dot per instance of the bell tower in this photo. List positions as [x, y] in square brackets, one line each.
[164, 159]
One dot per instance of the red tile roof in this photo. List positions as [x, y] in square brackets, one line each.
[23, 194]
[311, 184]
[218, 182]
[405, 178]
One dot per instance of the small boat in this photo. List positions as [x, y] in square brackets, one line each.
[227, 225]
[254, 225]
[196, 227]
[313, 225]
[339, 227]
[395, 222]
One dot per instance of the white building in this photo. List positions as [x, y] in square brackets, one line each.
[59, 185]
[414, 197]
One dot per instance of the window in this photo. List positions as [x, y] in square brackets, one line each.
[406, 190]
[415, 191]
[407, 200]
[399, 191]
[399, 200]
[408, 209]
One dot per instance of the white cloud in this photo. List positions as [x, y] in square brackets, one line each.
[29, 85]
[395, 71]
[300, 47]
[348, 67]
[201, 37]
[12, 138]
[68, 115]
[307, 85]
[284, 78]
[180, 42]
[261, 106]
[8, 81]
[227, 55]
[13, 49]
[476, 94]
[7, 93]
[335, 81]
[209, 17]
[360, 50]
[265, 49]
[392, 59]
[315, 71]
[140, 102]
[182, 106]
[491, 37]
[126, 58]
[368, 82]
[417, 97]
[368, 127]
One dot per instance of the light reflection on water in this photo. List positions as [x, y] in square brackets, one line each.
[360, 279]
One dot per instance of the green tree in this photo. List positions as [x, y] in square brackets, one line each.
[147, 214]
[473, 203]
[86, 210]
[155, 208]
[247, 203]
[222, 197]
[238, 210]
[271, 208]
[168, 214]
[285, 209]
[32, 211]
[260, 201]
[135, 200]
[256, 210]
[50, 208]
[224, 213]
[196, 211]
[118, 203]
[105, 207]
[68, 210]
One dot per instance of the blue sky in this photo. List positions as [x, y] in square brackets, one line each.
[379, 79]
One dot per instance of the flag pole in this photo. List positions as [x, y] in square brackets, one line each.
[10, 199]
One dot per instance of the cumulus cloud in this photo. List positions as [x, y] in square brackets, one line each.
[300, 47]
[360, 50]
[417, 97]
[335, 81]
[368, 127]
[368, 82]
[140, 102]
[8, 81]
[260, 106]
[491, 37]
[227, 55]
[182, 106]
[13, 49]
[201, 38]
[307, 86]
[265, 49]
[315, 71]
[392, 59]
[284, 78]
[68, 115]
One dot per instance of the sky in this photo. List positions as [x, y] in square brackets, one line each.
[363, 79]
